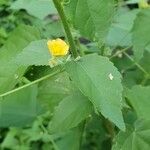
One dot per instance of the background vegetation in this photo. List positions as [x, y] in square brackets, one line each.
[43, 108]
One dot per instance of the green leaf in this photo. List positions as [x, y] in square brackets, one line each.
[36, 53]
[69, 140]
[91, 18]
[135, 138]
[53, 90]
[141, 33]
[119, 33]
[139, 96]
[37, 8]
[10, 72]
[148, 48]
[10, 140]
[96, 134]
[145, 61]
[53, 30]
[70, 112]
[100, 81]
[132, 1]
[4, 2]
[19, 108]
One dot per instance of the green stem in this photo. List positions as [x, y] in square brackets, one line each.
[83, 127]
[138, 65]
[61, 13]
[30, 84]
[120, 52]
[25, 80]
[51, 139]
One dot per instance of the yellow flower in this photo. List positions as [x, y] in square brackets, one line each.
[143, 4]
[58, 47]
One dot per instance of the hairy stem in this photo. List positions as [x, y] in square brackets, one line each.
[61, 13]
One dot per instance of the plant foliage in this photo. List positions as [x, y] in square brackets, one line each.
[96, 96]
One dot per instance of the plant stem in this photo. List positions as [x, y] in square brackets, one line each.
[30, 84]
[120, 52]
[61, 13]
[123, 51]
[25, 80]
[51, 139]
[138, 65]
[83, 126]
